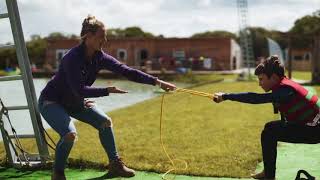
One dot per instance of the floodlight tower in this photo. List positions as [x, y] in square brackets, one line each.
[245, 36]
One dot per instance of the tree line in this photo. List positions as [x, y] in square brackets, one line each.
[302, 34]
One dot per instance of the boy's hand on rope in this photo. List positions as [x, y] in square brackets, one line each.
[113, 89]
[165, 85]
[218, 97]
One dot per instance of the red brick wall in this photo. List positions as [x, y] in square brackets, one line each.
[217, 49]
[303, 64]
[53, 45]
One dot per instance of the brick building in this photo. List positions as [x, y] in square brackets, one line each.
[156, 53]
[301, 59]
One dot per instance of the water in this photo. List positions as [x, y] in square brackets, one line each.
[12, 94]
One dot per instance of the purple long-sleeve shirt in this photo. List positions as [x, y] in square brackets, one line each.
[73, 80]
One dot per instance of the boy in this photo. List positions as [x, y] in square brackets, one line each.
[298, 107]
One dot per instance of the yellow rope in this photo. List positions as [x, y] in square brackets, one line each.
[197, 93]
[193, 92]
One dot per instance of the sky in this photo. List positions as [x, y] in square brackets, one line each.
[171, 18]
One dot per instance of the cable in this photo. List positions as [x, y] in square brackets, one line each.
[4, 111]
[18, 144]
[47, 135]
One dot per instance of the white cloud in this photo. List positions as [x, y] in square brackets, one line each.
[180, 18]
[204, 3]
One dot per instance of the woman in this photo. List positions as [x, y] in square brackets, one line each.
[64, 96]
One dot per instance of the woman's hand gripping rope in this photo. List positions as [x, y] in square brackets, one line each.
[165, 85]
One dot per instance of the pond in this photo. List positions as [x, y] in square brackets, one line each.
[12, 94]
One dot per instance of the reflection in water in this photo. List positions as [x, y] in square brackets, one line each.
[12, 94]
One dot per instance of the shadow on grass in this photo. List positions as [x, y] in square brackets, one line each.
[14, 173]
[100, 178]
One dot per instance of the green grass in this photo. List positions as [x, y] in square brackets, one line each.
[87, 174]
[301, 75]
[202, 79]
[214, 139]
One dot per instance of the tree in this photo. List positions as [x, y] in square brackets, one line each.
[115, 32]
[308, 25]
[57, 35]
[304, 30]
[259, 40]
[37, 49]
[133, 31]
[225, 34]
[35, 37]
[8, 56]
[73, 36]
[260, 44]
[278, 36]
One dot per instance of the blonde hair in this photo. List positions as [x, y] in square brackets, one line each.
[90, 24]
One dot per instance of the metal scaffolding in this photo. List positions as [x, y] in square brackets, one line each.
[245, 35]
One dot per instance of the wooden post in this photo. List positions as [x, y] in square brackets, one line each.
[290, 57]
[315, 61]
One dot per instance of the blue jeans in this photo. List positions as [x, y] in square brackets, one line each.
[59, 119]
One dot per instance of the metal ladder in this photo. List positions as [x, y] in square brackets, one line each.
[26, 77]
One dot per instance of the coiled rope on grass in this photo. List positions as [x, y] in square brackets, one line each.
[172, 161]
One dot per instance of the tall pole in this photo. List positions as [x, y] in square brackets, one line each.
[315, 60]
[290, 57]
[245, 36]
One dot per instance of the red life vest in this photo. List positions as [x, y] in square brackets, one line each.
[303, 108]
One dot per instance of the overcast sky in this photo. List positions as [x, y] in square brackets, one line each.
[171, 18]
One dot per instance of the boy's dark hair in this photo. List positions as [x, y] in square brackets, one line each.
[90, 24]
[269, 66]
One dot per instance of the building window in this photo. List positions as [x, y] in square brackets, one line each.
[122, 54]
[179, 55]
[307, 56]
[60, 53]
[143, 56]
[234, 63]
[297, 58]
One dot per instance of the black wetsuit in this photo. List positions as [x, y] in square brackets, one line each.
[279, 130]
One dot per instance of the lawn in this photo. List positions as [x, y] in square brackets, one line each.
[214, 139]
[301, 75]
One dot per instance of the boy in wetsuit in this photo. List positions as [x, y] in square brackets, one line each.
[299, 110]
